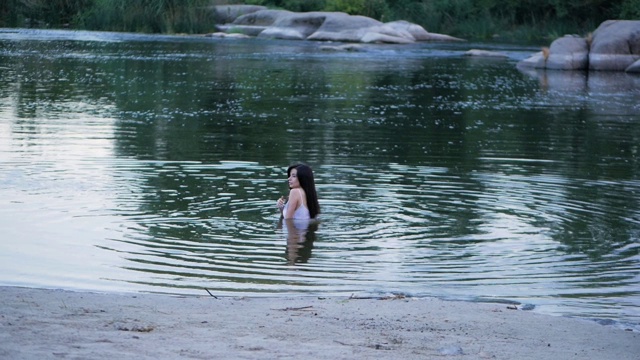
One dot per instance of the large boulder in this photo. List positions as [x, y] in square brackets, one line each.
[568, 53]
[535, 61]
[294, 26]
[325, 26]
[615, 45]
[262, 17]
[347, 28]
[318, 26]
[418, 33]
[253, 23]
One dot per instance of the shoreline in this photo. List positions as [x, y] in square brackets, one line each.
[65, 324]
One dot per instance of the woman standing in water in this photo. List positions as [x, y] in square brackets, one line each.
[303, 199]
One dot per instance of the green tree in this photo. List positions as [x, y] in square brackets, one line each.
[8, 13]
[629, 10]
[51, 13]
[376, 9]
[156, 16]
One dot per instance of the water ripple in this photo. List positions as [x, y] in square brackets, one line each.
[153, 163]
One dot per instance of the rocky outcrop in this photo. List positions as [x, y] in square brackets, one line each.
[320, 26]
[568, 53]
[614, 46]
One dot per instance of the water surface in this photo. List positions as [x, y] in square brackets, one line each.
[153, 163]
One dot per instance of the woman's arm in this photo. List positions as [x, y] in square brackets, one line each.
[294, 202]
[280, 204]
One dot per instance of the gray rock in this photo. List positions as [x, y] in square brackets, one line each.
[535, 61]
[322, 26]
[615, 45]
[568, 53]
[382, 34]
[417, 32]
[338, 26]
[337, 21]
[281, 33]
[344, 36]
[298, 25]
[262, 17]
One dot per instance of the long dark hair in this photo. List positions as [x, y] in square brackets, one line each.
[308, 184]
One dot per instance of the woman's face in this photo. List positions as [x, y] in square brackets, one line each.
[293, 179]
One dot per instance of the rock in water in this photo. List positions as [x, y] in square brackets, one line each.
[321, 26]
[614, 46]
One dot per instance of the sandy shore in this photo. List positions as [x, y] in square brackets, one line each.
[51, 324]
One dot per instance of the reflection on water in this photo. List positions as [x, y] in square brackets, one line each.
[300, 235]
[143, 163]
[601, 82]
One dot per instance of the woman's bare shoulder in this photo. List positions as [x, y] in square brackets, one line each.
[293, 194]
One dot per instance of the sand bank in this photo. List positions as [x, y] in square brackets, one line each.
[54, 324]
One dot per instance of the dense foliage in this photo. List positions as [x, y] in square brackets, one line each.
[160, 16]
[482, 18]
[465, 18]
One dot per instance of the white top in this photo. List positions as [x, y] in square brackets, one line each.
[302, 212]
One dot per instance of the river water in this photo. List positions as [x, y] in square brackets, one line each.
[153, 163]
